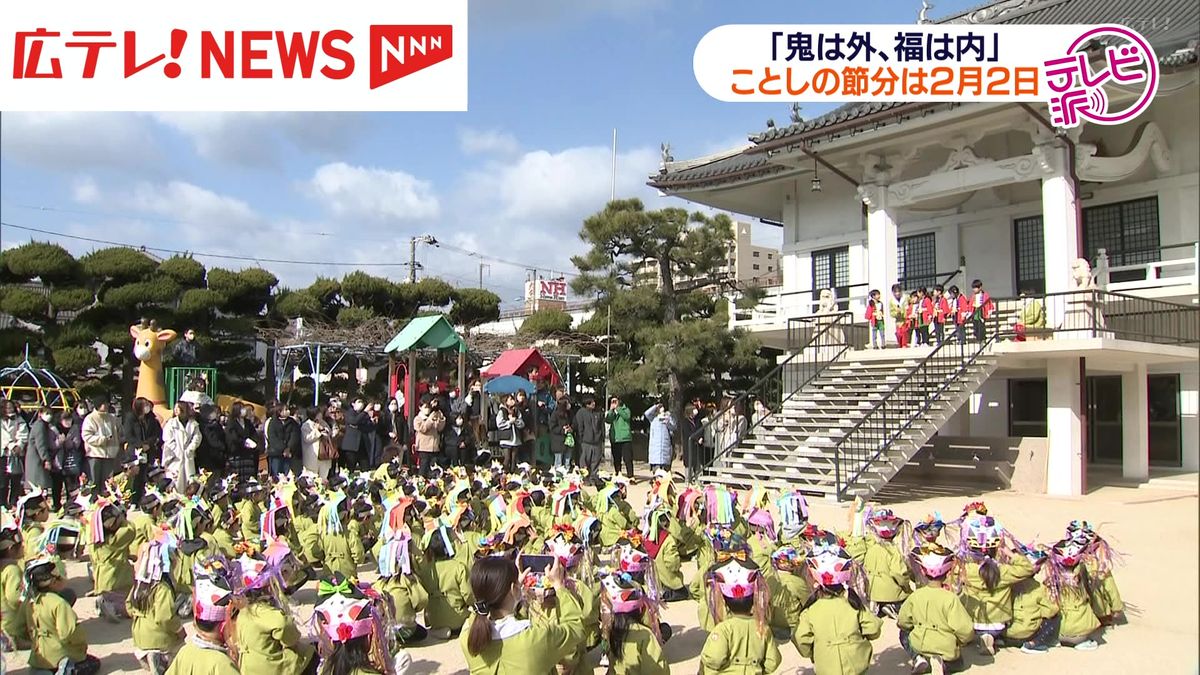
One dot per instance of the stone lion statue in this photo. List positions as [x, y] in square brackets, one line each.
[1081, 275]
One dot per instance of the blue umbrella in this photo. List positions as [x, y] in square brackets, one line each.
[509, 384]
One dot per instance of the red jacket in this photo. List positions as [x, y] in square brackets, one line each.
[965, 309]
[926, 316]
[941, 308]
[985, 305]
[874, 313]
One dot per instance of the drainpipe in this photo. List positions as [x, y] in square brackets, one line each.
[1083, 388]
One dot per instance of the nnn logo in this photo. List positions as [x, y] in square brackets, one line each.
[399, 51]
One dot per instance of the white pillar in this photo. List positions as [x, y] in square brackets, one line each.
[882, 255]
[1189, 416]
[1064, 469]
[1060, 225]
[1135, 424]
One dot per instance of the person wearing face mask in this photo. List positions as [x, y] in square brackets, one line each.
[212, 453]
[429, 424]
[181, 439]
[69, 458]
[283, 441]
[13, 435]
[242, 442]
[357, 426]
[510, 426]
[143, 438]
[458, 442]
[394, 428]
[40, 451]
[101, 442]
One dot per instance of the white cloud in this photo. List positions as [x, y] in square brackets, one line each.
[85, 190]
[78, 141]
[541, 185]
[259, 139]
[491, 141]
[373, 194]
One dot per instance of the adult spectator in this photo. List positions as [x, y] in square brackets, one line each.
[589, 435]
[69, 458]
[620, 435]
[562, 437]
[143, 433]
[282, 436]
[40, 449]
[510, 427]
[317, 446]
[662, 426]
[101, 442]
[693, 437]
[242, 442]
[213, 452]
[394, 428]
[187, 351]
[181, 440]
[354, 438]
[458, 441]
[376, 438]
[477, 412]
[143, 441]
[429, 424]
[526, 408]
[14, 433]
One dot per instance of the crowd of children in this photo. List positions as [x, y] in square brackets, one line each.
[927, 316]
[530, 572]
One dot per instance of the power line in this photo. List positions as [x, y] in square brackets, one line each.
[198, 254]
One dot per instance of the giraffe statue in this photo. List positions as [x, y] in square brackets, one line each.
[148, 344]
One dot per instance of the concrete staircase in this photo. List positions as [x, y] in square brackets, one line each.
[796, 447]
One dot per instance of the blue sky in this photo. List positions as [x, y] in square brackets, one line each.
[512, 178]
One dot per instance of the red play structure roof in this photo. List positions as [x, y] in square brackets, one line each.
[519, 362]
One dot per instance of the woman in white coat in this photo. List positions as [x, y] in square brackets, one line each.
[181, 437]
[311, 432]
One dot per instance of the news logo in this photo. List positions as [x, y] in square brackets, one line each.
[400, 51]
[317, 56]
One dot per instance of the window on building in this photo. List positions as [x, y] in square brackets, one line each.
[756, 254]
[770, 256]
[770, 269]
[831, 269]
[916, 258]
[756, 266]
[1027, 401]
[1127, 231]
[1028, 240]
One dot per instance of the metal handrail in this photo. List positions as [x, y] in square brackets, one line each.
[913, 416]
[844, 321]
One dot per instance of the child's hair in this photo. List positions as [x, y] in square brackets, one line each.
[989, 569]
[740, 605]
[538, 498]
[348, 657]
[208, 626]
[139, 597]
[939, 288]
[977, 284]
[832, 592]
[897, 287]
[492, 579]
[437, 548]
[873, 294]
[954, 290]
[619, 630]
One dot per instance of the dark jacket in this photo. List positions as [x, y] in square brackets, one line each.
[70, 453]
[242, 460]
[357, 431]
[186, 353]
[560, 419]
[453, 438]
[283, 437]
[393, 423]
[589, 426]
[144, 434]
[212, 453]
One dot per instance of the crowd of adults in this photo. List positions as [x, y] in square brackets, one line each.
[56, 449]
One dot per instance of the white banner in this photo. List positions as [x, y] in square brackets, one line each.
[352, 55]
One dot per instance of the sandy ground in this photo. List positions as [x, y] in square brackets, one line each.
[1156, 530]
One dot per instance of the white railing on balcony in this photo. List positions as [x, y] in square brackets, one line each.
[1181, 271]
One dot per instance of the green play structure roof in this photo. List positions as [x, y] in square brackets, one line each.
[426, 332]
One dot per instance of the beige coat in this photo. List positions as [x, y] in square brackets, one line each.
[180, 441]
[101, 435]
[429, 427]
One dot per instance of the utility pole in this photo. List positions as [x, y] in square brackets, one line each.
[483, 266]
[412, 261]
[412, 254]
[612, 195]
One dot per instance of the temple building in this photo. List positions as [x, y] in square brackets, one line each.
[1096, 225]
